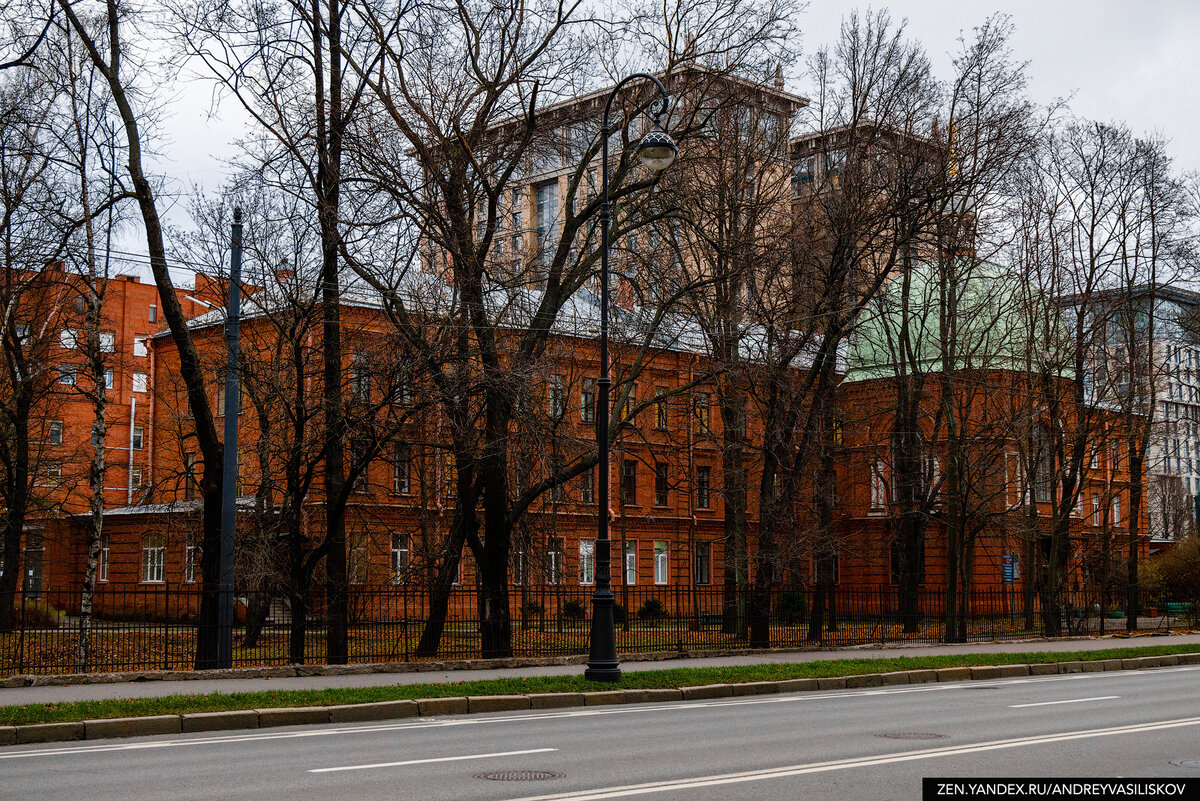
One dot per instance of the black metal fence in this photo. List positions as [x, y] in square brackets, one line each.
[148, 627]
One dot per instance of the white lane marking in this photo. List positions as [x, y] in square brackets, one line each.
[809, 697]
[1068, 701]
[433, 759]
[621, 791]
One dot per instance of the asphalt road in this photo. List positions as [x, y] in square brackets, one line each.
[855, 744]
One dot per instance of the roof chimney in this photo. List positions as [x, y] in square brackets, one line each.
[779, 76]
[283, 272]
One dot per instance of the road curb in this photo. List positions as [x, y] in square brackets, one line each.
[107, 728]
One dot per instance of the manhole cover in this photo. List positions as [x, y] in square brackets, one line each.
[912, 735]
[520, 775]
[1186, 763]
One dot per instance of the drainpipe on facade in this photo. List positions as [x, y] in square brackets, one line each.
[132, 421]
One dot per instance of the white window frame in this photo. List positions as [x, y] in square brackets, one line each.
[587, 561]
[108, 342]
[631, 563]
[879, 493]
[54, 432]
[662, 562]
[401, 552]
[68, 339]
[141, 346]
[102, 562]
[66, 374]
[191, 558]
[141, 382]
[154, 559]
[137, 440]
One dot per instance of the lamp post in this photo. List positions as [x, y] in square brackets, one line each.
[656, 151]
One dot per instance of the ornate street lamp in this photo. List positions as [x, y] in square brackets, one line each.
[656, 151]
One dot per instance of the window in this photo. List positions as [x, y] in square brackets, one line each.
[558, 396]
[518, 564]
[802, 173]
[701, 408]
[661, 420]
[190, 484]
[449, 475]
[360, 458]
[1116, 456]
[154, 554]
[399, 556]
[1116, 510]
[628, 481]
[660, 561]
[879, 492]
[68, 338]
[137, 440]
[109, 377]
[153, 314]
[703, 562]
[54, 432]
[102, 564]
[834, 572]
[1095, 509]
[834, 161]
[402, 393]
[547, 216]
[402, 469]
[53, 474]
[587, 486]
[66, 374]
[631, 565]
[141, 382]
[587, 401]
[191, 556]
[135, 478]
[554, 561]
[703, 487]
[357, 567]
[587, 561]
[108, 342]
[360, 377]
[660, 484]
[630, 403]
[139, 346]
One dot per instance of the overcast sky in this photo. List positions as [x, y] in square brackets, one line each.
[1119, 60]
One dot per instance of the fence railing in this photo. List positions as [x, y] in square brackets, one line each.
[150, 627]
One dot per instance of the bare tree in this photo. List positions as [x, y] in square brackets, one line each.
[109, 54]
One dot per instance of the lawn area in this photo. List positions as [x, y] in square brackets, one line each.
[649, 679]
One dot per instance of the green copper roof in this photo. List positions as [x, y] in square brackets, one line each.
[992, 322]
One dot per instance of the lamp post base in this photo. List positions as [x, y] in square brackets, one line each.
[602, 671]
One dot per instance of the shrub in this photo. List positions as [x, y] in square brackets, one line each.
[792, 606]
[37, 615]
[532, 608]
[652, 610]
[619, 614]
[573, 610]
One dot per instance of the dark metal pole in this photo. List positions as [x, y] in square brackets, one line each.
[602, 653]
[229, 470]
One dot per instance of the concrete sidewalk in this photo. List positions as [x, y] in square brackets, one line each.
[152, 689]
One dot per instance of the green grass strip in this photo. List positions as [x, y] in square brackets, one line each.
[632, 680]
